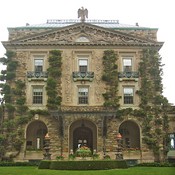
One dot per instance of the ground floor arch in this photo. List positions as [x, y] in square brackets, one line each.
[83, 133]
[130, 132]
[35, 134]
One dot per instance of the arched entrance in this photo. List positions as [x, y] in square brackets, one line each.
[35, 134]
[82, 136]
[83, 132]
[130, 132]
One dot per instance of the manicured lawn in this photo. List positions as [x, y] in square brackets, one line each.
[131, 171]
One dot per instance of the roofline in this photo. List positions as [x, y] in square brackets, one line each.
[70, 22]
[11, 43]
[121, 28]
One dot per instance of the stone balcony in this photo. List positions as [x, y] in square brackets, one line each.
[83, 76]
[128, 76]
[31, 75]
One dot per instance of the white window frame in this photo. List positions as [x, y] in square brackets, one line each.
[128, 95]
[83, 95]
[38, 64]
[82, 59]
[127, 63]
[83, 64]
[37, 98]
[172, 141]
[38, 57]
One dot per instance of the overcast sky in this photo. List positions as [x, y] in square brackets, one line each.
[148, 13]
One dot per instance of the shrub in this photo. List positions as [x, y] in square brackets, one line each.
[156, 164]
[95, 156]
[72, 156]
[107, 157]
[86, 165]
[4, 163]
[60, 157]
[45, 164]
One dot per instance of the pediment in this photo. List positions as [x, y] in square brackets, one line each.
[82, 34]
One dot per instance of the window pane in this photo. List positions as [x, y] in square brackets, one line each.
[127, 61]
[83, 65]
[83, 62]
[128, 99]
[127, 64]
[128, 95]
[83, 95]
[83, 68]
[128, 91]
[38, 65]
[37, 95]
[83, 100]
[172, 141]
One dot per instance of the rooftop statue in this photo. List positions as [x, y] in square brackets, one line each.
[82, 13]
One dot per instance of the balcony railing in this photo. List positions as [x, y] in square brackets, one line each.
[83, 76]
[37, 75]
[128, 75]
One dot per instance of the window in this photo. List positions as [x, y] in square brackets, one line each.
[83, 95]
[83, 65]
[128, 95]
[127, 64]
[37, 95]
[38, 65]
[35, 134]
[172, 141]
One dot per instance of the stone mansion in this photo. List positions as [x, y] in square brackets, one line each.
[83, 82]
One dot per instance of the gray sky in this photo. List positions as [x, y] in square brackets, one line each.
[148, 13]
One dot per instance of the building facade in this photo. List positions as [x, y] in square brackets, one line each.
[83, 83]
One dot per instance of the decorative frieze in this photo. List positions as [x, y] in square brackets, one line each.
[93, 34]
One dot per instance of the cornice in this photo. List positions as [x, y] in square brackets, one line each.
[95, 36]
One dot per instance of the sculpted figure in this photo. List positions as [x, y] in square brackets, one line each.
[82, 13]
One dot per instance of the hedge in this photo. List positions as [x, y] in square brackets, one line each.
[156, 164]
[44, 164]
[3, 163]
[83, 165]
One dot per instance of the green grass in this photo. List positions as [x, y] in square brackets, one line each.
[131, 171]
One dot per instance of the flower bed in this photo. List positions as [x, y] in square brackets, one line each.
[83, 151]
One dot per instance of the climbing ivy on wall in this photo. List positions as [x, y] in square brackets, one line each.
[54, 80]
[152, 101]
[14, 109]
[15, 112]
[110, 76]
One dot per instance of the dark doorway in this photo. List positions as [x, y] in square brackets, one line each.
[82, 136]
[130, 134]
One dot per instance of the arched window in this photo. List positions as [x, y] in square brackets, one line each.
[130, 132]
[35, 134]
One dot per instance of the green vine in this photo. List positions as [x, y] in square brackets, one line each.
[14, 97]
[165, 126]
[54, 81]
[39, 111]
[152, 100]
[110, 76]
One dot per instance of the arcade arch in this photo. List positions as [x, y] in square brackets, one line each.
[83, 132]
[130, 132]
[35, 134]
